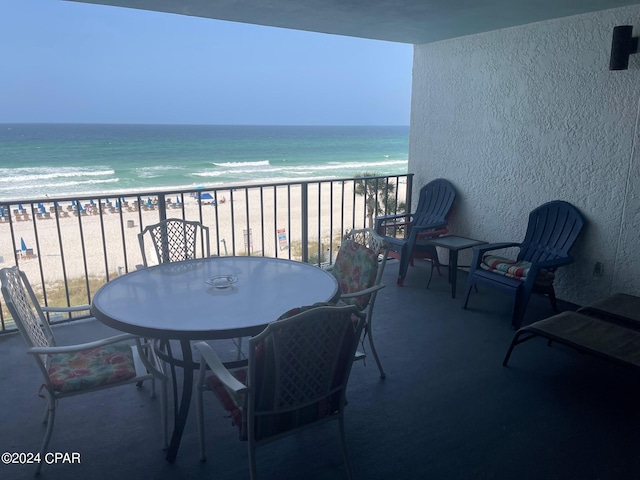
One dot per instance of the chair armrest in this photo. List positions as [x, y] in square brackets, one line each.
[78, 308]
[381, 221]
[366, 291]
[432, 233]
[81, 346]
[209, 358]
[493, 246]
[431, 226]
[384, 218]
[556, 262]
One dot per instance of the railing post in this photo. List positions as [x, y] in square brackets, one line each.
[409, 192]
[304, 212]
[162, 206]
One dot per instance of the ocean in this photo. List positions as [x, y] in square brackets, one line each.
[79, 160]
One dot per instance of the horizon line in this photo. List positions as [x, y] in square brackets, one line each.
[203, 124]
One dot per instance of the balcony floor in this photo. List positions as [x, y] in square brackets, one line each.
[447, 409]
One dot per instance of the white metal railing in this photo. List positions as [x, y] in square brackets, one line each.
[70, 246]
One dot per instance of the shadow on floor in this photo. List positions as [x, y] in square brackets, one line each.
[447, 409]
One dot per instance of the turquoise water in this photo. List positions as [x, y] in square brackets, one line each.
[63, 160]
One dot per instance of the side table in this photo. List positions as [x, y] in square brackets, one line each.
[454, 244]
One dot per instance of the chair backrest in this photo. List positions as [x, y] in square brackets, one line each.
[434, 203]
[552, 230]
[298, 370]
[26, 312]
[359, 264]
[175, 240]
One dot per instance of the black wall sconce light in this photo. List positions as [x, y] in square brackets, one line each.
[623, 44]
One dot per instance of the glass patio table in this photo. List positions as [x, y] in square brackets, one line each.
[207, 299]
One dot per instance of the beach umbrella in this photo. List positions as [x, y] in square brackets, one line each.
[206, 196]
[23, 246]
[20, 207]
[178, 200]
[149, 201]
[92, 202]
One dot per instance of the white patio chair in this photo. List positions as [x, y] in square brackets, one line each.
[175, 240]
[296, 378]
[82, 368]
[358, 268]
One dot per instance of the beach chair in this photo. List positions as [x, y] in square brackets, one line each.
[77, 369]
[429, 220]
[552, 230]
[588, 334]
[608, 328]
[296, 377]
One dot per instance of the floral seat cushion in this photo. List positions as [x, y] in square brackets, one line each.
[91, 368]
[514, 269]
[355, 268]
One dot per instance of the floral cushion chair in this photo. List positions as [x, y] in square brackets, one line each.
[296, 378]
[358, 269]
[76, 369]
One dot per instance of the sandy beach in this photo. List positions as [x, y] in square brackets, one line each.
[73, 245]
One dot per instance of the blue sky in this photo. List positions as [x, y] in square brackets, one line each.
[79, 63]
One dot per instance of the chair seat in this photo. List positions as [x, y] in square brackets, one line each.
[96, 367]
[517, 270]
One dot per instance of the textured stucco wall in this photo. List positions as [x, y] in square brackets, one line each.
[521, 116]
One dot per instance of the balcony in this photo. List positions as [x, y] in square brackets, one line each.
[447, 409]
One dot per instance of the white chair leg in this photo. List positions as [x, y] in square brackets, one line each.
[164, 414]
[345, 454]
[374, 351]
[238, 344]
[253, 472]
[153, 388]
[200, 414]
[51, 415]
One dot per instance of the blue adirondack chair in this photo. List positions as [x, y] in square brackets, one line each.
[553, 228]
[429, 220]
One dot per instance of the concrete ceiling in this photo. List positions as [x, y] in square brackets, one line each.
[405, 21]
